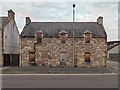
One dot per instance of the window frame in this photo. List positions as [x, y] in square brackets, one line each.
[63, 36]
[39, 36]
[30, 56]
[87, 38]
[86, 57]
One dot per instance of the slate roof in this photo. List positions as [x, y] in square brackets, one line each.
[112, 44]
[52, 29]
[3, 22]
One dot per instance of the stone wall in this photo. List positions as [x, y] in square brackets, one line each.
[11, 38]
[27, 45]
[47, 53]
[97, 49]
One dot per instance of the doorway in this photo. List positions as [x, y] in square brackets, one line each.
[6, 60]
[87, 57]
[63, 59]
[11, 60]
[32, 59]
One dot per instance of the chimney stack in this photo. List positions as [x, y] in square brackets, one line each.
[11, 15]
[28, 20]
[100, 20]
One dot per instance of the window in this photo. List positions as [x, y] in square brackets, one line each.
[63, 39]
[39, 40]
[87, 35]
[39, 37]
[87, 38]
[87, 57]
[31, 56]
[63, 36]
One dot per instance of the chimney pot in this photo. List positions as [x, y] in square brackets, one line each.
[28, 20]
[11, 15]
[100, 20]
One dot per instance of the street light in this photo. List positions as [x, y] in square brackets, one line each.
[73, 30]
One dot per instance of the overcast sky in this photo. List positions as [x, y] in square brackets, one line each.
[62, 12]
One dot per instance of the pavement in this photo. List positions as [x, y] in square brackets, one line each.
[112, 67]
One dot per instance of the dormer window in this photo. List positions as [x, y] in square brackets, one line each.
[39, 36]
[87, 36]
[63, 36]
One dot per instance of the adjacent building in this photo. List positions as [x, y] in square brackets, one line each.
[9, 40]
[64, 44]
[114, 50]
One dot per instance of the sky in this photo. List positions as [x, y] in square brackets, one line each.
[62, 12]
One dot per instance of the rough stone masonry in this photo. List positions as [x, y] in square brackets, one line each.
[51, 44]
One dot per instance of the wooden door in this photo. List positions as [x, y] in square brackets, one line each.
[87, 57]
[31, 56]
[15, 60]
[6, 60]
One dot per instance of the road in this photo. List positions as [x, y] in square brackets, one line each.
[60, 81]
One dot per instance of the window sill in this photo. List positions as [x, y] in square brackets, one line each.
[87, 63]
[88, 43]
[38, 43]
[32, 63]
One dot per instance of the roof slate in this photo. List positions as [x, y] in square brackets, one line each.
[52, 29]
[112, 44]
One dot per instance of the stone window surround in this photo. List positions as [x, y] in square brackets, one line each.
[63, 36]
[87, 32]
[39, 36]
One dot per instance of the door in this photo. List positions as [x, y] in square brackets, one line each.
[63, 59]
[32, 59]
[15, 60]
[31, 56]
[6, 60]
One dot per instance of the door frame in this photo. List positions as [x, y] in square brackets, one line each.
[63, 63]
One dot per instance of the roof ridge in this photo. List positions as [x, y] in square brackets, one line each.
[3, 16]
[63, 22]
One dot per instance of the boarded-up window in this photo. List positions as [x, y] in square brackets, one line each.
[31, 56]
[63, 36]
[63, 39]
[39, 37]
[87, 38]
[87, 57]
[39, 40]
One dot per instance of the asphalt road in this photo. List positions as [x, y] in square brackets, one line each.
[60, 81]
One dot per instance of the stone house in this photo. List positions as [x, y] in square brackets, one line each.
[9, 40]
[54, 44]
[113, 48]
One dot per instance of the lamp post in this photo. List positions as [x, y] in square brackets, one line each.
[73, 30]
